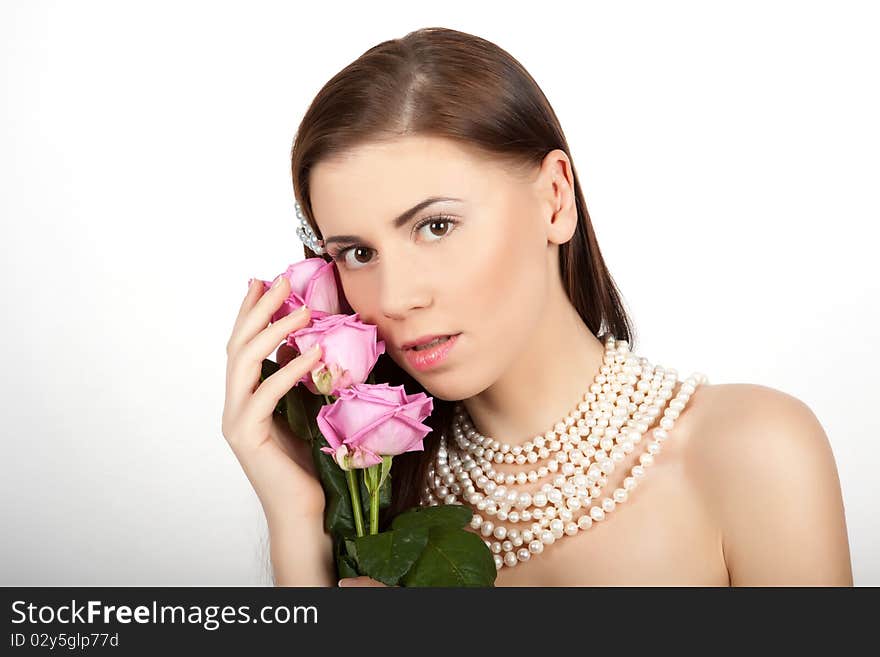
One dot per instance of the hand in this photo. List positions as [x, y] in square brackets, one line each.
[278, 464]
[360, 581]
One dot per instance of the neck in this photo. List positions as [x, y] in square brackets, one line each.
[543, 385]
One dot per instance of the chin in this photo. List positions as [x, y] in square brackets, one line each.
[444, 394]
[450, 385]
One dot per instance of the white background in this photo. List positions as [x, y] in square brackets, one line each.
[728, 153]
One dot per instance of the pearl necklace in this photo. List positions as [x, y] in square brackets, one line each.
[626, 396]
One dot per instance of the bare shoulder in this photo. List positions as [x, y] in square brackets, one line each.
[763, 463]
[739, 424]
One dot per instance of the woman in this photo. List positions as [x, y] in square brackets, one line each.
[441, 183]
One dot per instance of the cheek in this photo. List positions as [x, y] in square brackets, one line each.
[360, 294]
[507, 286]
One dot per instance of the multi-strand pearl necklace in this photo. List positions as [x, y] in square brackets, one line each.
[581, 451]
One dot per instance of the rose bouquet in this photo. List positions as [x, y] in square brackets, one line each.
[356, 427]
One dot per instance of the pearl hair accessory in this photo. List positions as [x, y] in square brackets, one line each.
[305, 232]
[626, 396]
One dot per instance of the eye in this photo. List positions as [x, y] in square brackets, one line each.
[444, 224]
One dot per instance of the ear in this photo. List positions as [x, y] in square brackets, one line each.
[555, 188]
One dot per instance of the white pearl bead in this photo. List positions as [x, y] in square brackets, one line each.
[523, 554]
[583, 450]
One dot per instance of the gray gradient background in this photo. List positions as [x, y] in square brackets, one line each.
[728, 156]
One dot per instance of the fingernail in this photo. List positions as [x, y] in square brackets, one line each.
[340, 583]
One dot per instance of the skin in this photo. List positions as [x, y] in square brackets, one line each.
[745, 491]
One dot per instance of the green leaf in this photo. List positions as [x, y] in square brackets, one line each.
[384, 494]
[338, 514]
[346, 564]
[351, 547]
[371, 478]
[345, 567]
[268, 368]
[452, 557]
[302, 409]
[387, 556]
[386, 468]
[455, 516]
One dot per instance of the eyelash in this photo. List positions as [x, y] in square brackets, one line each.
[340, 255]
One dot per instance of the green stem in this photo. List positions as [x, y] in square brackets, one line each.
[354, 491]
[374, 511]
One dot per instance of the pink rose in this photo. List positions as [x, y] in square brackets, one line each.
[349, 351]
[313, 284]
[374, 420]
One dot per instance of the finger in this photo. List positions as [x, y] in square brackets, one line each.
[360, 581]
[243, 368]
[276, 386]
[255, 289]
[258, 316]
[267, 340]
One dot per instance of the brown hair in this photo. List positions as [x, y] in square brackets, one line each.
[444, 83]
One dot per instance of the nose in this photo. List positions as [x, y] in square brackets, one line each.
[402, 287]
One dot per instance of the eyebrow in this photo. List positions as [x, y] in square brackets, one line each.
[401, 220]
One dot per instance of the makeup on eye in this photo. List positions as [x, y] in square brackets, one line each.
[339, 254]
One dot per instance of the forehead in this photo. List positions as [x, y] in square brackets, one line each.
[380, 179]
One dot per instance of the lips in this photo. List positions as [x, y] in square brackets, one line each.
[431, 357]
[425, 339]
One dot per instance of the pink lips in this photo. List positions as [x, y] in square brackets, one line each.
[425, 359]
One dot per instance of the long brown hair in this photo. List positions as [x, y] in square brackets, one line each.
[445, 83]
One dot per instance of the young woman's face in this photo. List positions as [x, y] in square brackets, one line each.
[477, 266]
